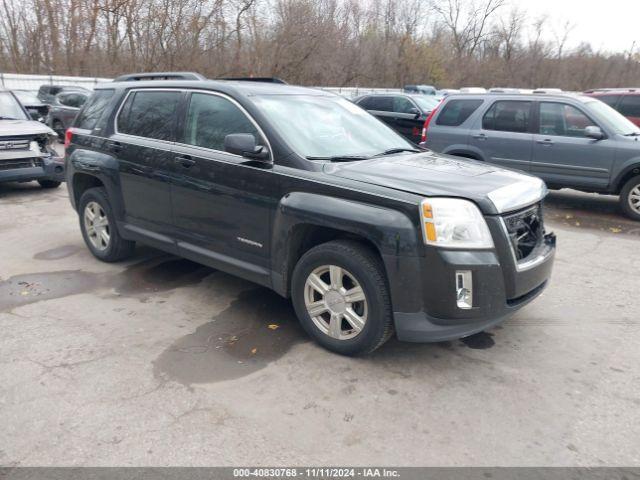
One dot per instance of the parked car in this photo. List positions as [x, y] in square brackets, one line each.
[420, 89]
[624, 100]
[26, 151]
[47, 93]
[303, 192]
[63, 110]
[569, 141]
[35, 108]
[403, 112]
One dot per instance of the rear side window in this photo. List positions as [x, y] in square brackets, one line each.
[211, 118]
[630, 106]
[94, 109]
[149, 114]
[455, 112]
[381, 104]
[508, 116]
[402, 105]
[610, 100]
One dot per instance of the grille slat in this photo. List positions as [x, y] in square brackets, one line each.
[20, 163]
[10, 145]
[525, 230]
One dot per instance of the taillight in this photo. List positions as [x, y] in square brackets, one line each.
[426, 124]
[67, 137]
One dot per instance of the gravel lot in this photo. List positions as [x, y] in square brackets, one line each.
[160, 361]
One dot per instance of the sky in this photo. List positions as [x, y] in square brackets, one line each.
[610, 25]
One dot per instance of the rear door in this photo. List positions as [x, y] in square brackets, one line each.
[504, 133]
[145, 133]
[562, 154]
[222, 202]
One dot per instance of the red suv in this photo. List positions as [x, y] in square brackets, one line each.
[624, 100]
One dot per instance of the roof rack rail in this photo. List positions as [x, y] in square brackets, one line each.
[136, 77]
[255, 79]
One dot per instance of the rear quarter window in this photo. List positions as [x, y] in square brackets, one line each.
[456, 112]
[94, 108]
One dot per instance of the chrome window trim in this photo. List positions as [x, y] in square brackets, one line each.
[191, 91]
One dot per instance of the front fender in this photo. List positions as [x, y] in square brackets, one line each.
[392, 232]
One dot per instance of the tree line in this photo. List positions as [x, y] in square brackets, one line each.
[382, 43]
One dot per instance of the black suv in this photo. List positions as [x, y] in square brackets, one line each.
[304, 192]
[404, 113]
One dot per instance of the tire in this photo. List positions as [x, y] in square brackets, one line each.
[49, 183]
[630, 198]
[58, 127]
[115, 248]
[359, 267]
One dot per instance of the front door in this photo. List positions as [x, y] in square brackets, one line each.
[504, 135]
[563, 156]
[143, 142]
[221, 202]
[408, 119]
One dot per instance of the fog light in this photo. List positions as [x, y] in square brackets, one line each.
[464, 289]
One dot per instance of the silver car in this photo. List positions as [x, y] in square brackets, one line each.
[567, 140]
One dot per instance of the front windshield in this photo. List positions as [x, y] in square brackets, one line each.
[27, 97]
[615, 120]
[328, 126]
[10, 109]
[426, 103]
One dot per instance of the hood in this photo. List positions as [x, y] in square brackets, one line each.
[18, 128]
[494, 189]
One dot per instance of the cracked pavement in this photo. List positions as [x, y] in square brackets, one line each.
[159, 361]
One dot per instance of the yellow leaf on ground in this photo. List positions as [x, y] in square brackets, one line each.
[615, 230]
[273, 326]
[253, 351]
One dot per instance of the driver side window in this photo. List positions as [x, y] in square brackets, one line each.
[563, 120]
[210, 118]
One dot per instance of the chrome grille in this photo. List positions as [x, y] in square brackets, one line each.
[525, 230]
[21, 144]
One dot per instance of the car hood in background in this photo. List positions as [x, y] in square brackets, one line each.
[16, 128]
[494, 189]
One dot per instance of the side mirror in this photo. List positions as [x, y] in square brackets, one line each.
[593, 132]
[415, 111]
[244, 144]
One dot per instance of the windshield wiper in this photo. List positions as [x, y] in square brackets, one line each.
[393, 151]
[7, 118]
[341, 158]
[632, 134]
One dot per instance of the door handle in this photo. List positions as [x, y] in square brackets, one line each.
[115, 147]
[185, 160]
[547, 142]
[480, 136]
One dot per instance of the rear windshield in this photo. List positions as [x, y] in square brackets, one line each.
[94, 108]
[456, 112]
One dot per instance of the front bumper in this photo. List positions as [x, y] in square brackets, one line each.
[52, 168]
[499, 289]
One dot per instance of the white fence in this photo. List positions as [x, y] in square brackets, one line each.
[15, 81]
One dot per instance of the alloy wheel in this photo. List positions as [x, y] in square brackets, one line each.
[96, 225]
[634, 199]
[336, 302]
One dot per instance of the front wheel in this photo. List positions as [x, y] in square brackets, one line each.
[98, 226]
[630, 198]
[341, 298]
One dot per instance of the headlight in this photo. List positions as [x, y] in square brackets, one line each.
[454, 223]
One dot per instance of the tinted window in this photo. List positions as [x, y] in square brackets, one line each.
[74, 100]
[211, 118]
[563, 120]
[630, 106]
[610, 100]
[94, 108]
[364, 102]
[382, 104]
[508, 116]
[456, 112]
[402, 105]
[149, 114]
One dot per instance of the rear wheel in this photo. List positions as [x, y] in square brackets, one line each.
[99, 228]
[49, 183]
[630, 198]
[340, 295]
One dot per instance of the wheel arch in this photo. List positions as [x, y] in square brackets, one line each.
[627, 174]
